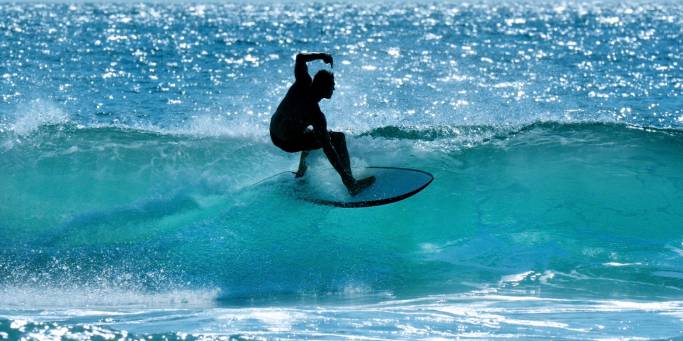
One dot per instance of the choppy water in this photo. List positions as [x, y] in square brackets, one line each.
[131, 137]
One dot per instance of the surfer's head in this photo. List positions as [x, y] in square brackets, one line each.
[323, 84]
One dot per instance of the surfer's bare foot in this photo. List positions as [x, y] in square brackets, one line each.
[302, 170]
[360, 185]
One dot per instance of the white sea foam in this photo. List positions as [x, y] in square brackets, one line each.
[35, 114]
[273, 319]
[220, 125]
[514, 279]
[17, 297]
[617, 264]
[471, 314]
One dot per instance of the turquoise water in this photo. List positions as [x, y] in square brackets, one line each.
[133, 136]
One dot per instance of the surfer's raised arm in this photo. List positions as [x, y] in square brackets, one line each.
[301, 69]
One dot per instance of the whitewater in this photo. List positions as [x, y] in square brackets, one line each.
[134, 136]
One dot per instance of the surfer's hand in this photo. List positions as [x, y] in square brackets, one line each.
[327, 58]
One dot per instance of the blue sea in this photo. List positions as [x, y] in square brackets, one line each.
[133, 137]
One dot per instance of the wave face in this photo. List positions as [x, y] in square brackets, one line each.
[554, 211]
[133, 138]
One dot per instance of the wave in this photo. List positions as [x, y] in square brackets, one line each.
[137, 210]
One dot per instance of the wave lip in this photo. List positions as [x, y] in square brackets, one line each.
[55, 127]
[33, 116]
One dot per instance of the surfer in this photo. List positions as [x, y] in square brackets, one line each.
[299, 125]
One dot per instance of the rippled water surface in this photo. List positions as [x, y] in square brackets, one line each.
[141, 64]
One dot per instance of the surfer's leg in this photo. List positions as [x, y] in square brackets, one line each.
[305, 144]
[302, 164]
[339, 143]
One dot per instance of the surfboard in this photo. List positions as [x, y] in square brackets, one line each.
[324, 187]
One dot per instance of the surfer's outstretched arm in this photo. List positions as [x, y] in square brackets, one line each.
[301, 69]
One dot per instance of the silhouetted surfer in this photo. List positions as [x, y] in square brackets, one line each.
[290, 126]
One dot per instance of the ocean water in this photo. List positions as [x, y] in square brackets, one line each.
[133, 136]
